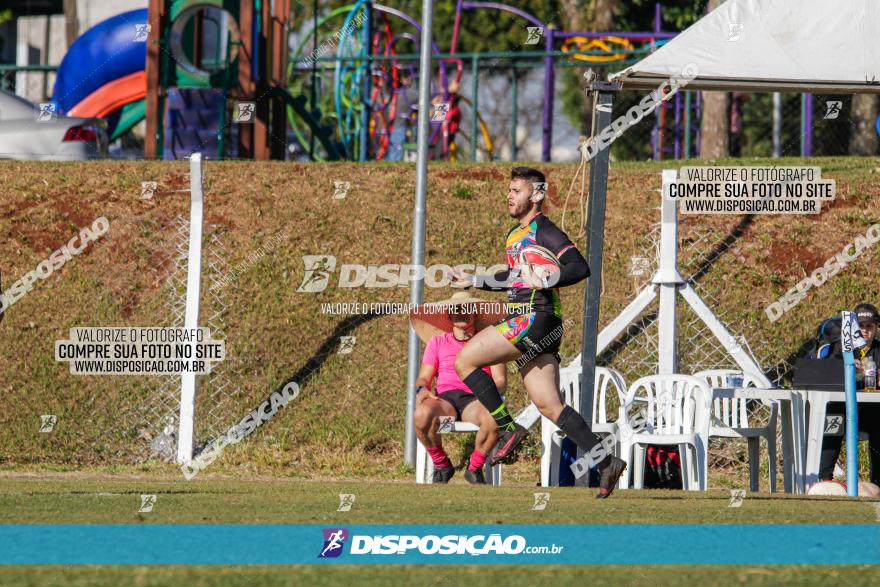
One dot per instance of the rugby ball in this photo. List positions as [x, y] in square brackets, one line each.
[542, 261]
[827, 488]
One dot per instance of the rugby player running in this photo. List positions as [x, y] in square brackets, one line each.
[534, 313]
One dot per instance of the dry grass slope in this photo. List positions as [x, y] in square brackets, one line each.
[348, 420]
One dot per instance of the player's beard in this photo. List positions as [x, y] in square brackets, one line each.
[519, 211]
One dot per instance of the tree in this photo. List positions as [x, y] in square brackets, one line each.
[604, 15]
[601, 18]
[715, 123]
[863, 140]
[583, 15]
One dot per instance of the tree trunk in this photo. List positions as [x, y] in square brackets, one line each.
[601, 15]
[863, 140]
[71, 22]
[597, 15]
[573, 13]
[715, 123]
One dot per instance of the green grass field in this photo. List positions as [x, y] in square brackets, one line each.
[115, 499]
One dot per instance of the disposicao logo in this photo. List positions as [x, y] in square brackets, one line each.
[443, 545]
[334, 540]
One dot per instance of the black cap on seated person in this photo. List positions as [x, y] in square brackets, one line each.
[866, 312]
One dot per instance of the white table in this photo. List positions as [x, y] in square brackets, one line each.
[817, 402]
[792, 410]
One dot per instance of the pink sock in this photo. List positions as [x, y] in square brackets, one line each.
[478, 459]
[438, 456]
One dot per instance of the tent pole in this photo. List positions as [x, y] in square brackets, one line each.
[602, 101]
[549, 85]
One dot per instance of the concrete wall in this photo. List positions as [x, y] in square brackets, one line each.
[91, 12]
[31, 48]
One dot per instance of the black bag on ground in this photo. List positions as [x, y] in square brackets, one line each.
[663, 469]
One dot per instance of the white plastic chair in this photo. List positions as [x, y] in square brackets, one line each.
[730, 419]
[425, 466]
[606, 380]
[676, 411]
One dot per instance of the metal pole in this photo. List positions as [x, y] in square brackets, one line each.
[366, 83]
[803, 123]
[687, 125]
[314, 92]
[549, 83]
[676, 152]
[514, 88]
[595, 242]
[221, 130]
[777, 124]
[475, 91]
[848, 332]
[852, 425]
[418, 238]
[806, 125]
[668, 278]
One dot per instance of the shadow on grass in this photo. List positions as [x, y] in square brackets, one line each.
[314, 364]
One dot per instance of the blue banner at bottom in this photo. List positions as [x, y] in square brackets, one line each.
[704, 544]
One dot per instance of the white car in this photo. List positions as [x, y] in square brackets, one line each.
[36, 131]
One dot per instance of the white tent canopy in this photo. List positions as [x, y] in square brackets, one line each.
[827, 46]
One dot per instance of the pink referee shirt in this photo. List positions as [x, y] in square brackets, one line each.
[440, 354]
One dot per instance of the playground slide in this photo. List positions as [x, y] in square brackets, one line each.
[103, 74]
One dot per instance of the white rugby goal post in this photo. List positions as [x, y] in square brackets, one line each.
[188, 382]
[665, 285]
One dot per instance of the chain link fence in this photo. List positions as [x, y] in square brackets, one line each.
[635, 352]
[151, 413]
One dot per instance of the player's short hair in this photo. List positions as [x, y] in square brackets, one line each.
[527, 173]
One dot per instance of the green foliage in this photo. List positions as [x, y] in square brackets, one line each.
[462, 191]
[5, 16]
[481, 30]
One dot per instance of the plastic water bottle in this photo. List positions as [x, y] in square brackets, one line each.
[870, 368]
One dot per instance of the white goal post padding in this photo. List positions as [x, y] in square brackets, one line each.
[186, 423]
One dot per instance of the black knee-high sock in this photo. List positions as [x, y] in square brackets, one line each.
[574, 426]
[484, 388]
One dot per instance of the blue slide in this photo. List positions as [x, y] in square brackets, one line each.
[103, 73]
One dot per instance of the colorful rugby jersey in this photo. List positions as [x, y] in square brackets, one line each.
[542, 232]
